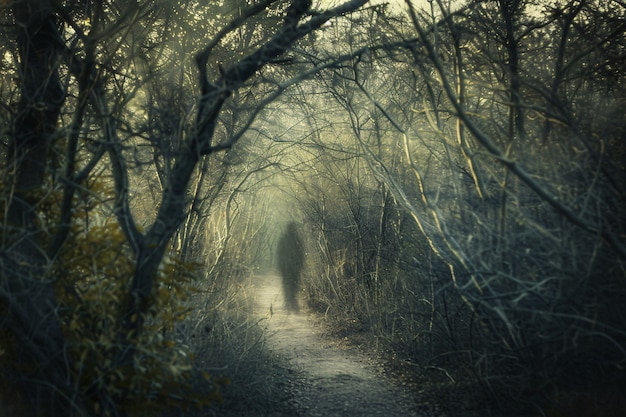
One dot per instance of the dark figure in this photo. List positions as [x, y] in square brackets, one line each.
[290, 259]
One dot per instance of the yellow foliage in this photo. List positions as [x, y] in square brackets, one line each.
[92, 276]
[97, 268]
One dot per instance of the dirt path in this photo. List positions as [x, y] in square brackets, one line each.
[331, 381]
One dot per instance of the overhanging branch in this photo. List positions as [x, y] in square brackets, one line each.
[495, 151]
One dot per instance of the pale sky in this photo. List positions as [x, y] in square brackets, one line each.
[397, 4]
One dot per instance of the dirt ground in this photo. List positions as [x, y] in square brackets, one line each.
[328, 378]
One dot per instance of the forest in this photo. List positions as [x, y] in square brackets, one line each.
[456, 170]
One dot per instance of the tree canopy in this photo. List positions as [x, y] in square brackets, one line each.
[96, 94]
[457, 170]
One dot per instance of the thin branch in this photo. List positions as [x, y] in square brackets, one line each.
[493, 149]
[202, 57]
[119, 170]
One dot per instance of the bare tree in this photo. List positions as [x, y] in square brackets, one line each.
[86, 77]
[516, 226]
[512, 172]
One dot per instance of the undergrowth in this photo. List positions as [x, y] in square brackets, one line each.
[228, 341]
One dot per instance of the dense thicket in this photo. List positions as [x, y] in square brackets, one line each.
[469, 214]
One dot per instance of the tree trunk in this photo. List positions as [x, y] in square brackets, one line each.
[40, 366]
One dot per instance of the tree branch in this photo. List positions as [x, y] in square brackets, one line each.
[493, 149]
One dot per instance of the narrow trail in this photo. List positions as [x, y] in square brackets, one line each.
[332, 381]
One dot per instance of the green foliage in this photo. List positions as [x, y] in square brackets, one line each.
[91, 280]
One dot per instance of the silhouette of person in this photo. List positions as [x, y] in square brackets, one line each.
[290, 260]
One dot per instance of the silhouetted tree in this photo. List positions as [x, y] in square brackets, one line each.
[91, 105]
